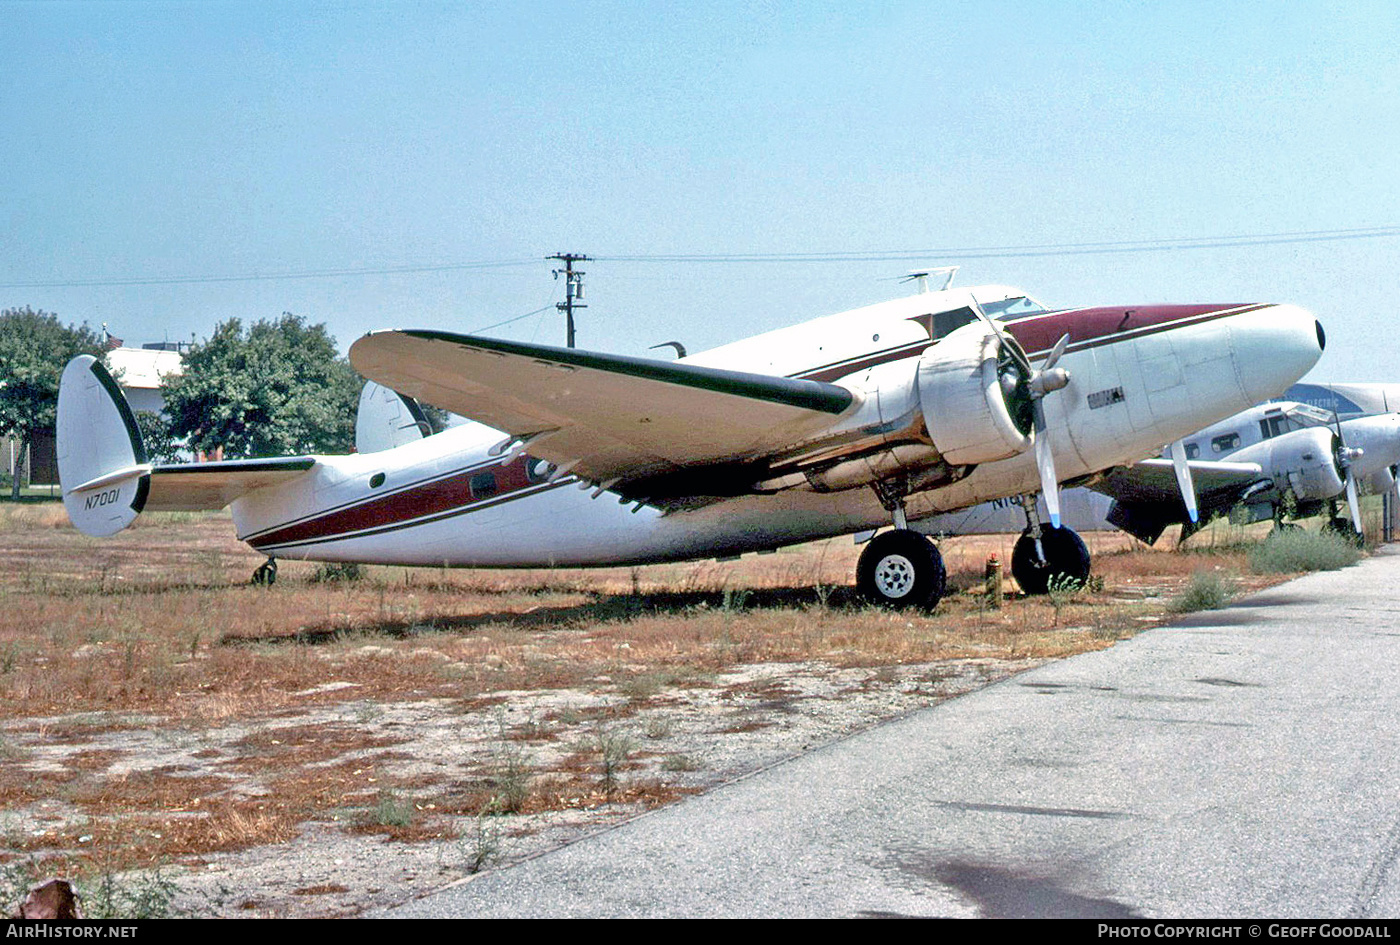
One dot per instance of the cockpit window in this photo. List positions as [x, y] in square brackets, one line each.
[945, 323]
[1011, 309]
[1274, 425]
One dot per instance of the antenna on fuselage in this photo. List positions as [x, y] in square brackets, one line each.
[922, 276]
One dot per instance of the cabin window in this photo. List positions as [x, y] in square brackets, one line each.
[1225, 442]
[483, 485]
[376, 480]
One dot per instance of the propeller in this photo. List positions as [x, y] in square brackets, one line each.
[1345, 457]
[1020, 382]
[1182, 467]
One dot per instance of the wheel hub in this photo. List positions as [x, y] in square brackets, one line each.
[894, 576]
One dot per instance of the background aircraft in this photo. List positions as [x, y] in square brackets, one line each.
[1274, 461]
[1278, 460]
[882, 415]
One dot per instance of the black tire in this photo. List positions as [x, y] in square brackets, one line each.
[266, 574]
[1066, 559]
[901, 569]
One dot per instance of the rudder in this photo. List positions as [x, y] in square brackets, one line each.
[102, 465]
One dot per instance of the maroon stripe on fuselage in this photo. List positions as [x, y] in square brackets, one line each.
[850, 366]
[1037, 334]
[432, 498]
[1088, 327]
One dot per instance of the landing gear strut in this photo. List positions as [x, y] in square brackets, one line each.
[1046, 554]
[266, 574]
[901, 568]
[1341, 526]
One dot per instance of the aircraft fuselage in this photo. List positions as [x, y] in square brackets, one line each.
[1138, 378]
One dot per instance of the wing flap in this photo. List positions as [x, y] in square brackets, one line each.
[192, 487]
[614, 417]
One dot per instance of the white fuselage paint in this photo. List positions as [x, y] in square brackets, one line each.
[1169, 382]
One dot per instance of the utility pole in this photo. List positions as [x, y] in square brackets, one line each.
[573, 288]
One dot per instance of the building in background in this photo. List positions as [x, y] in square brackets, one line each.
[139, 372]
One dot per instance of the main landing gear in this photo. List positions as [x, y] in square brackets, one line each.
[1047, 555]
[266, 573]
[901, 568]
[1342, 526]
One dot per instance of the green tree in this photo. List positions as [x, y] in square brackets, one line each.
[279, 389]
[34, 347]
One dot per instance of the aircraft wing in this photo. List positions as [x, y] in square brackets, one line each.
[606, 417]
[1147, 498]
[190, 487]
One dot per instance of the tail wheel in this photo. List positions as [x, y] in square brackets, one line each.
[1066, 559]
[901, 569]
[266, 573]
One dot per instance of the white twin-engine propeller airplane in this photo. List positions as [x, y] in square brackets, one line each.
[885, 414]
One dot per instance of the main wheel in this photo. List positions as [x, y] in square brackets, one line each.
[1066, 559]
[901, 569]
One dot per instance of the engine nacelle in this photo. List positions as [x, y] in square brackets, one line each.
[1306, 461]
[975, 399]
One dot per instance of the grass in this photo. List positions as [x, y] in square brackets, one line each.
[1208, 590]
[305, 702]
[1292, 551]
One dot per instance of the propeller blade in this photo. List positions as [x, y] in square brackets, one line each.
[1182, 467]
[1007, 342]
[1045, 463]
[1352, 501]
[1056, 352]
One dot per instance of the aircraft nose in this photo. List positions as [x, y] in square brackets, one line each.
[1274, 346]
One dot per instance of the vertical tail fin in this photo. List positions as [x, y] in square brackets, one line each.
[101, 460]
[387, 419]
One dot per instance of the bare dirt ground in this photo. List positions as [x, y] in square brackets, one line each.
[186, 743]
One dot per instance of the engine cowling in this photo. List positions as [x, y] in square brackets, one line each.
[1309, 463]
[975, 398]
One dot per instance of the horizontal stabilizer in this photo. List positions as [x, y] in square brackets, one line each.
[190, 487]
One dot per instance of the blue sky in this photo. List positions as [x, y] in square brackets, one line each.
[164, 141]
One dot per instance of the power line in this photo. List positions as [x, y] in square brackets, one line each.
[271, 276]
[1029, 250]
[892, 255]
[515, 319]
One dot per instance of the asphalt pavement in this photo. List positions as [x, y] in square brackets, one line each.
[1239, 763]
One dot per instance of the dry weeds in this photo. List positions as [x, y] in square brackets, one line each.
[155, 709]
